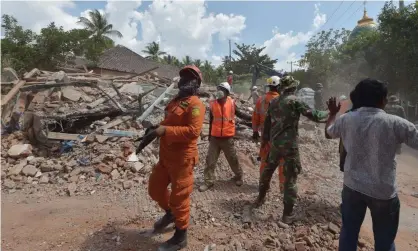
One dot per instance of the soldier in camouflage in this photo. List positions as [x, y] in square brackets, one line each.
[394, 108]
[281, 129]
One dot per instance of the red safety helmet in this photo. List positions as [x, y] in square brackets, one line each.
[194, 70]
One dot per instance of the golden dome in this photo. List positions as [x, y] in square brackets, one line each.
[365, 24]
[366, 20]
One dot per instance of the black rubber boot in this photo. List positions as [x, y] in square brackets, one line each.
[261, 197]
[177, 242]
[164, 221]
[288, 215]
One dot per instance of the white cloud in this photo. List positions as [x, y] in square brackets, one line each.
[36, 15]
[184, 27]
[320, 18]
[181, 27]
[216, 60]
[279, 46]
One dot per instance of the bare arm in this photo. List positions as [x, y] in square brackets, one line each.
[330, 121]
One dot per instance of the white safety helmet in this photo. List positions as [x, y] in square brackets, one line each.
[254, 88]
[226, 86]
[273, 81]
[230, 72]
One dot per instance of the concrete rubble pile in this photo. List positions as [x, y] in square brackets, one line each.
[69, 128]
[60, 127]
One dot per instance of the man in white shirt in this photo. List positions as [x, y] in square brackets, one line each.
[370, 137]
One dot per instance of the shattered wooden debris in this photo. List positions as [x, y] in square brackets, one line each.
[12, 92]
[69, 104]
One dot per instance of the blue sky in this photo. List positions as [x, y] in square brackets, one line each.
[251, 23]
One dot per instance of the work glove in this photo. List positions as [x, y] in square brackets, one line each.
[256, 136]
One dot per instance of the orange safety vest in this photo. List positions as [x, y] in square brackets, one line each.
[260, 111]
[223, 124]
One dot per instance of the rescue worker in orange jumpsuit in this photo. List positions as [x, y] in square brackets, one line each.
[178, 132]
[258, 118]
[222, 131]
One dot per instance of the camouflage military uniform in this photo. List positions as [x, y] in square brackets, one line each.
[281, 129]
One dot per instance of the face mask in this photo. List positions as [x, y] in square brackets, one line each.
[219, 94]
[187, 87]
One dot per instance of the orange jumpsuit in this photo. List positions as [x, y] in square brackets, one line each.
[259, 115]
[178, 155]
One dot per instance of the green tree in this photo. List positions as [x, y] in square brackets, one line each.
[100, 34]
[322, 53]
[99, 26]
[54, 46]
[208, 71]
[153, 51]
[17, 50]
[397, 48]
[251, 59]
[187, 60]
[197, 62]
[390, 53]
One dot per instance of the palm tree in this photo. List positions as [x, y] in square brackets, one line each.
[187, 60]
[168, 59]
[198, 63]
[153, 51]
[208, 72]
[98, 26]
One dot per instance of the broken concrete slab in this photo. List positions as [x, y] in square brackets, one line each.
[20, 150]
[115, 174]
[30, 170]
[101, 138]
[60, 77]
[16, 169]
[137, 166]
[71, 93]
[132, 88]
[71, 189]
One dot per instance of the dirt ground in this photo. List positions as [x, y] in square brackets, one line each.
[107, 220]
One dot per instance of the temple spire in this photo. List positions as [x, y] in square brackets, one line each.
[366, 20]
[365, 11]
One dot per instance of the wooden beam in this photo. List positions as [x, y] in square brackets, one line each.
[46, 86]
[31, 73]
[64, 136]
[115, 122]
[70, 69]
[12, 92]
